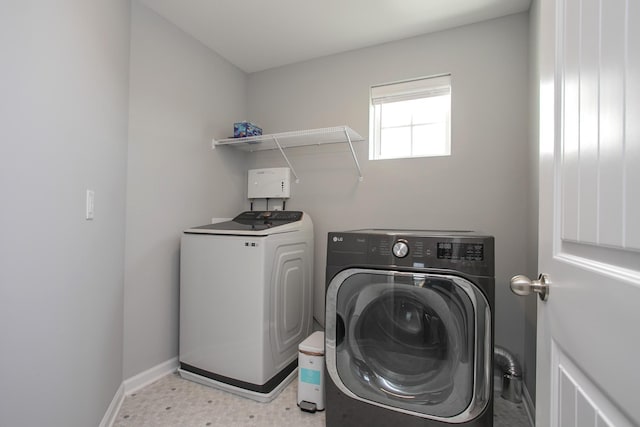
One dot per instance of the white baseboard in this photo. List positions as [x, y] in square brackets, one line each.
[149, 376]
[134, 384]
[529, 407]
[113, 409]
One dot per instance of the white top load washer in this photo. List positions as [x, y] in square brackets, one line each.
[246, 301]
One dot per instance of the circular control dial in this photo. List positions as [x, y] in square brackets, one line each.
[400, 248]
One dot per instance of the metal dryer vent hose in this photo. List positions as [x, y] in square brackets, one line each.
[511, 374]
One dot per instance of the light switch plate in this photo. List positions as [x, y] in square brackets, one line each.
[90, 205]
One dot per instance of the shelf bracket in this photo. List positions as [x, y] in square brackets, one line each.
[293, 171]
[353, 154]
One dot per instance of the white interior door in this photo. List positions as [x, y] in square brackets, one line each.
[589, 328]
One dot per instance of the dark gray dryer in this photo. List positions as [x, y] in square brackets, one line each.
[409, 328]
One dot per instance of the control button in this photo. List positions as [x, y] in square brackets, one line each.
[400, 248]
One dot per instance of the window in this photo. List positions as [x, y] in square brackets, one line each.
[411, 119]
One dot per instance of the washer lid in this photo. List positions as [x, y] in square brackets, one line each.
[254, 223]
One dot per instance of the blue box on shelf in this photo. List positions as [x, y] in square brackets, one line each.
[244, 129]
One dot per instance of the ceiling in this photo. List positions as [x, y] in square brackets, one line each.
[256, 35]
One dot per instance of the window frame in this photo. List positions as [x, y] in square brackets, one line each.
[406, 90]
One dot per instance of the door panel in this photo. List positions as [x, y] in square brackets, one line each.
[290, 314]
[581, 403]
[632, 130]
[589, 96]
[586, 217]
[611, 154]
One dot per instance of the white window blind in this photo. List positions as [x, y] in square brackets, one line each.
[411, 89]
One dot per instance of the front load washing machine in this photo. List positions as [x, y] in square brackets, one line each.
[409, 328]
[246, 301]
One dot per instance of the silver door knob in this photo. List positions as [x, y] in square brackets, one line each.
[522, 285]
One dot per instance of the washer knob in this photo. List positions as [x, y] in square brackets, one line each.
[400, 248]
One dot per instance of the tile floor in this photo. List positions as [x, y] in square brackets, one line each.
[173, 401]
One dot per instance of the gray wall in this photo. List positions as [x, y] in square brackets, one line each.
[66, 283]
[182, 94]
[63, 130]
[484, 185]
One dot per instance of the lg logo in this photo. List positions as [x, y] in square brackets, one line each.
[337, 239]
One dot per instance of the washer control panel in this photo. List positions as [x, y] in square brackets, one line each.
[458, 250]
[461, 251]
[260, 216]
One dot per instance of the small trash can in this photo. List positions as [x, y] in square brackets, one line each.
[311, 373]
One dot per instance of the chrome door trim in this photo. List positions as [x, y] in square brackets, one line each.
[480, 395]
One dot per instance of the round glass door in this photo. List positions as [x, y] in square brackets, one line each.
[410, 342]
